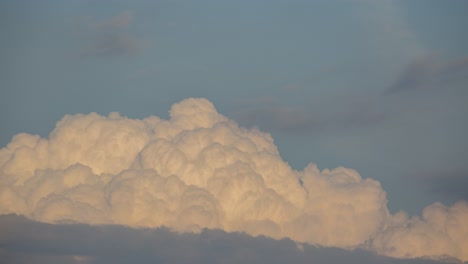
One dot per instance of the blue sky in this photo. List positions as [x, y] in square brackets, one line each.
[378, 86]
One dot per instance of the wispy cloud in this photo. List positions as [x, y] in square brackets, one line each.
[111, 37]
[118, 22]
[317, 116]
[427, 72]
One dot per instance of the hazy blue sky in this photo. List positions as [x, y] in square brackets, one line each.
[379, 86]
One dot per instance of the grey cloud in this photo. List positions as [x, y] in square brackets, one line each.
[26, 241]
[427, 72]
[275, 116]
[336, 114]
[120, 21]
[415, 74]
[314, 118]
[111, 37]
[113, 44]
[455, 70]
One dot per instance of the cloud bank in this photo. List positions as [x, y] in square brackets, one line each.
[198, 170]
[33, 242]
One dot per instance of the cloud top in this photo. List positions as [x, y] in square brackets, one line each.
[198, 170]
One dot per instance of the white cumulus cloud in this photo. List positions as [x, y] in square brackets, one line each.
[199, 169]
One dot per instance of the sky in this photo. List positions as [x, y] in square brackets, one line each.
[377, 87]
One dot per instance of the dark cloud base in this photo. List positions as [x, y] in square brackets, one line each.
[26, 241]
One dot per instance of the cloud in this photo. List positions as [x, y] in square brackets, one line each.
[26, 241]
[118, 22]
[111, 37]
[426, 72]
[199, 170]
[317, 117]
[440, 231]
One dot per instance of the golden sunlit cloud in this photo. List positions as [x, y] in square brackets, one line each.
[199, 169]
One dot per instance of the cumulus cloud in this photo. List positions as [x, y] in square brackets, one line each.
[198, 170]
[441, 231]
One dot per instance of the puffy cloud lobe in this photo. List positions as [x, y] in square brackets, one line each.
[201, 170]
[440, 231]
[342, 209]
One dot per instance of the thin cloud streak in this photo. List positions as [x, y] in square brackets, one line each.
[316, 117]
[428, 73]
[111, 37]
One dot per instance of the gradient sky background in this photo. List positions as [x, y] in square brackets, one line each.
[378, 86]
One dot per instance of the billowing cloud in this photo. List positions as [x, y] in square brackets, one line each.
[199, 170]
[440, 231]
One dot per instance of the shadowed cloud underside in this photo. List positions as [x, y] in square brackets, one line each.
[34, 242]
